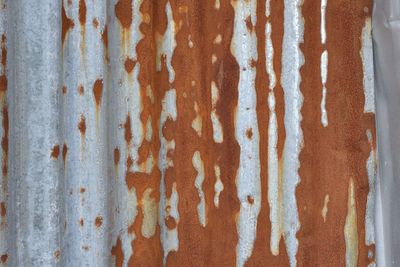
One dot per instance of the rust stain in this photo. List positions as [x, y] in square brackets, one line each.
[129, 65]
[4, 258]
[128, 130]
[82, 125]
[57, 254]
[117, 156]
[82, 190]
[104, 36]
[95, 22]
[4, 141]
[66, 22]
[250, 199]
[3, 50]
[169, 129]
[170, 222]
[81, 222]
[3, 83]
[117, 252]
[55, 152]
[249, 133]
[3, 210]
[98, 91]
[123, 12]
[82, 12]
[99, 221]
[64, 152]
[64, 89]
[81, 90]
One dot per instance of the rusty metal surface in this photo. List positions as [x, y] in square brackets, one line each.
[187, 133]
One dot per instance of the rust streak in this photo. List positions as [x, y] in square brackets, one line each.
[118, 253]
[129, 65]
[99, 221]
[117, 156]
[55, 152]
[66, 22]
[98, 91]
[3, 210]
[82, 125]
[4, 141]
[64, 152]
[123, 12]
[82, 12]
[128, 130]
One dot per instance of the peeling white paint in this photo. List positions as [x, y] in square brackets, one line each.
[350, 228]
[292, 60]
[150, 216]
[218, 39]
[198, 183]
[366, 54]
[324, 210]
[218, 135]
[217, 4]
[244, 49]
[323, 20]
[370, 208]
[197, 123]
[324, 77]
[213, 58]
[218, 186]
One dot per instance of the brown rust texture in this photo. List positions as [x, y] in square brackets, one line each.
[66, 22]
[329, 158]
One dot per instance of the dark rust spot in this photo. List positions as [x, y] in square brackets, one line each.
[4, 258]
[86, 248]
[4, 141]
[66, 22]
[129, 162]
[64, 89]
[81, 90]
[117, 156]
[168, 129]
[104, 36]
[81, 222]
[129, 65]
[249, 133]
[82, 12]
[57, 254]
[249, 24]
[3, 210]
[55, 152]
[170, 222]
[95, 22]
[82, 125]
[128, 130]
[250, 199]
[98, 91]
[118, 253]
[64, 152]
[123, 12]
[99, 221]
[82, 190]
[3, 50]
[3, 83]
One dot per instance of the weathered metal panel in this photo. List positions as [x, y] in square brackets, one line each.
[187, 133]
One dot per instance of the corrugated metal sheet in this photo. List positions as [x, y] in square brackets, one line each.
[187, 133]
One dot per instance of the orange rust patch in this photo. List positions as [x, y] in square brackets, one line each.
[249, 24]
[104, 36]
[3, 50]
[57, 254]
[66, 22]
[55, 152]
[117, 156]
[64, 152]
[82, 125]
[95, 22]
[3, 210]
[81, 222]
[249, 133]
[128, 130]
[118, 253]
[99, 221]
[3, 83]
[4, 258]
[82, 190]
[168, 129]
[4, 141]
[250, 199]
[129, 65]
[170, 222]
[98, 91]
[64, 89]
[129, 162]
[81, 90]
[123, 12]
[82, 12]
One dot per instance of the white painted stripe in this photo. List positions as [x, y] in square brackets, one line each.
[324, 77]
[218, 135]
[323, 20]
[218, 186]
[198, 183]
[244, 49]
[350, 229]
[370, 209]
[366, 54]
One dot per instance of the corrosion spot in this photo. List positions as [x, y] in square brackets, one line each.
[104, 36]
[129, 65]
[95, 22]
[123, 12]
[81, 90]
[82, 125]
[249, 133]
[249, 24]
[170, 222]
[3, 50]
[250, 199]
[55, 151]
[81, 222]
[66, 22]
[82, 12]
[3, 210]
[118, 253]
[98, 90]
[4, 258]
[99, 221]
[86, 248]
[4, 141]
[57, 254]
[3, 83]
[129, 162]
[82, 190]
[64, 152]
[168, 129]
[128, 130]
[117, 156]
[64, 89]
